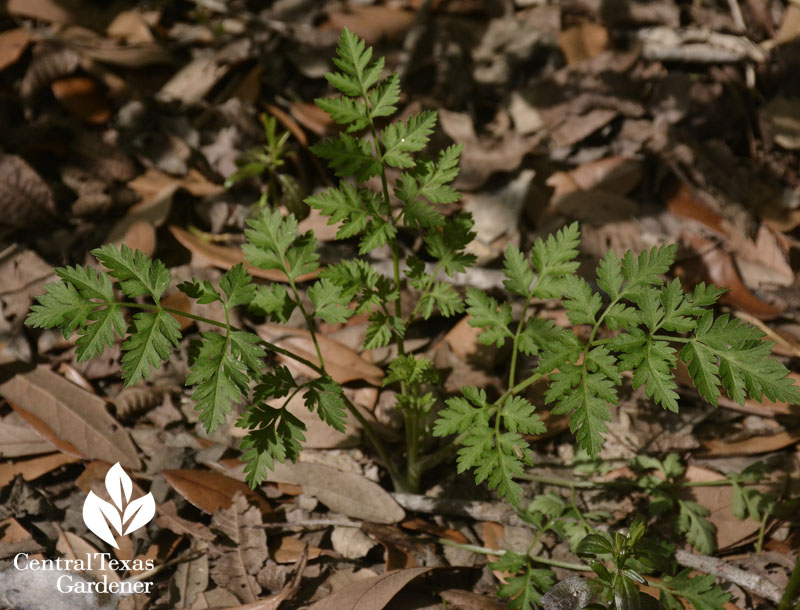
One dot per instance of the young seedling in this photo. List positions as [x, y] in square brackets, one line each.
[268, 160]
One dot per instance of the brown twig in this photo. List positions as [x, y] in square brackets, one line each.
[504, 514]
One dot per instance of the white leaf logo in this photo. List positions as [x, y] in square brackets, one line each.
[99, 514]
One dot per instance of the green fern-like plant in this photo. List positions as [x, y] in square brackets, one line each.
[637, 322]
[649, 317]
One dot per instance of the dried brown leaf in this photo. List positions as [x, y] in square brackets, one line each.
[720, 270]
[754, 445]
[33, 468]
[189, 581]
[719, 500]
[72, 546]
[466, 600]
[191, 83]
[372, 23]
[421, 525]
[168, 518]
[48, 64]
[337, 489]
[180, 302]
[140, 235]
[596, 207]
[402, 549]
[106, 50]
[137, 399]
[46, 10]
[583, 41]
[132, 26]
[682, 202]
[572, 131]
[101, 158]
[291, 550]
[761, 262]
[765, 262]
[273, 602]
[72, 414]
[482, 156]
[313, 118]
[289, 123]
[240, 549]
[210, 491]
[82, 98]
[25, 199]
[613, 174]
[790, 25]
[21, 441]
[12, 531]
[12, 45]
[342, 363]
[371, 593]
[156, 190]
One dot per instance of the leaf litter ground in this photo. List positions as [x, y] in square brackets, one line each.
[125, 131]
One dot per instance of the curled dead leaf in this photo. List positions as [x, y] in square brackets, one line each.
[48, 65]
[719, 268]
[135, 400]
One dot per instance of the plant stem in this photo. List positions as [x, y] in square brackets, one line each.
[519, 387]
[759, 546]
[398, 481]
[671, 338]
[270, 346]
[411, 417]
[482, 550]
[570, 484]
[306, 316]
[792, 588]
[515, 346]
[559, 482]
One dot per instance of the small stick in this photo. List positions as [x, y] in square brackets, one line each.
[185, 557]
[722, 569]
[312, 523]
[500, 513]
